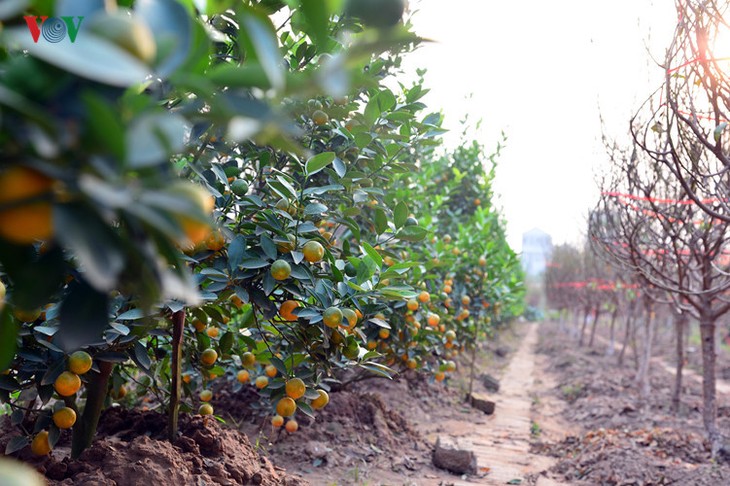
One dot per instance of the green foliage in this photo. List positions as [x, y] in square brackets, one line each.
[179, 191]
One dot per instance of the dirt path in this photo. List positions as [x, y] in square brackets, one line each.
[502, 444]
[358, 452]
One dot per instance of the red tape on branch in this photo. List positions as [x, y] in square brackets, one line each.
[595, 284]
[657, 200]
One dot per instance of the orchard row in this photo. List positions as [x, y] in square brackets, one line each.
[256, 208]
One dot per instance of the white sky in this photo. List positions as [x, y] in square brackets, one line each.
[539, 70]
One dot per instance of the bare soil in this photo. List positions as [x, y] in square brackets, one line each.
[375, 432]
[131, 450]
[382, 432]
[617, 442]
[564, 415]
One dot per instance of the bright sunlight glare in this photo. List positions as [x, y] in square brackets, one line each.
[544, 73]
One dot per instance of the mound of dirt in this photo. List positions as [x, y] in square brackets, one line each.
[131, 451]
[611, 456]
[354, 427]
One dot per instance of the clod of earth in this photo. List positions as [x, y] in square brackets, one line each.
[481, 402]
[490, 382]
[454, 456]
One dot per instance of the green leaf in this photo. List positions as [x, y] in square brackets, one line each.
[412, 233]
[250, 75]
[8, 333]
[120, 328]
[377, 368]
[92, 242]
[340, 167]
[253, 263]
[398, 293]
[373, 253]
[315, 208]
[306, 409]
[381, 221]
[400, 214]
[83, 316]
[91, 57]
[172, 28]
[53, 371]
[16, 443]
[226, 342]
[378, 104]
[236, 251]
[379, 322]
[317, 15]
[153, 137]
[283, 188]
[259, 36]
[363, 139]
[107, 128]
[131, 315]
[35, 277]
[318, 162]
[365, 270]
[318, 191]
[279, 365]
[269, 247]
[141, 357]
[11, 8]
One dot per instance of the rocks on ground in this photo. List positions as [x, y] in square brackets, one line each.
[481, 402]
[454, 455]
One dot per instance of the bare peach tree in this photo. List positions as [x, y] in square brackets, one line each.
[694, 106]
[649, 224]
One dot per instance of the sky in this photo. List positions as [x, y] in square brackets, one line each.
[543, 73]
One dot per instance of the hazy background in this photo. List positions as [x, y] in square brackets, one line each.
[542, 72]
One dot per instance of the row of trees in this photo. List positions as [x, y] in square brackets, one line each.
[662, 219]
[201, 191]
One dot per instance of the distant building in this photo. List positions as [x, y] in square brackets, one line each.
[537, 247]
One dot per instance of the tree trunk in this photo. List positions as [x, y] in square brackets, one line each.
[586, 314]
[96, 390]
[680, 323]
[597, 315]
[612, 333]
[473, 361]
[643, 375]
[634, 346]
[627, 338]
[178, 327]
[709, 398]
[574, 329]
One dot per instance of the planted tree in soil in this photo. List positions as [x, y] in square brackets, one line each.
[264, 213]
[562, 277]
[120, 237]
[676, 248]
[690, 132]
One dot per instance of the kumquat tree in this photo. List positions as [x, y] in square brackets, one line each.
[266, 242]
[201, 198]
